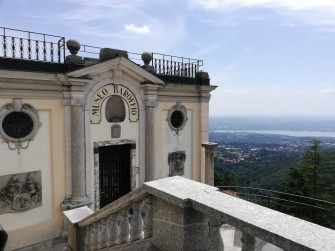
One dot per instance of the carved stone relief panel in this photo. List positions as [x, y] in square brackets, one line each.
[176, 162]
[20, 192]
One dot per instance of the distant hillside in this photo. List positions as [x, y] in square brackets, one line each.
[261, 160]
[322, 124]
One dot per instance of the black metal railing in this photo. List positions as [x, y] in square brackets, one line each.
[164, 64]
[22, 44]
[31, 45]
[175, 66]
[318, 211]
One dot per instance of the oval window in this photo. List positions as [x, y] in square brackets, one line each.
[18, 125]
[177, 119]
[115, 109]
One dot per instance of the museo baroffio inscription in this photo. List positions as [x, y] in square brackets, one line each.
[20, 192]
[105, 92]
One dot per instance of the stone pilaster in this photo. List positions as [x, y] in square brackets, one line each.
[209, 162]
[76, 151]
[150, 91]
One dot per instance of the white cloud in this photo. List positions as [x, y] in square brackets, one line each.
[290, 4]
[311, 12]
[133, 28]
[326, 91]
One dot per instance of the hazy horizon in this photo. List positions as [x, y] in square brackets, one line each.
[288, 123]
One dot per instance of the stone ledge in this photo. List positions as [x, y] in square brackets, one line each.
[280, 229]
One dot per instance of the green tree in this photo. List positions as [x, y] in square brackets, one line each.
[314, 178]
[229, 179]
[218, 179]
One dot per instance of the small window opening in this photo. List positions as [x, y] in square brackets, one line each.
[115, 109]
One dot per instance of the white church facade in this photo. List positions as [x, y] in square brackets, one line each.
[86, 131]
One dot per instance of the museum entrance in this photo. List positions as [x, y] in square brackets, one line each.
[114, 172]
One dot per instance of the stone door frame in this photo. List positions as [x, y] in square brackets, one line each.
[98, 144]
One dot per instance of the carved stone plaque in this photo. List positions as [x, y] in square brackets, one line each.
[176, 162]
[20, 192]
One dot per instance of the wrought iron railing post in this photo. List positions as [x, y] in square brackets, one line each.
[13, 46]
[4, 43]
[37, 49]
[51, 51]
[64, 49]
[29, 46]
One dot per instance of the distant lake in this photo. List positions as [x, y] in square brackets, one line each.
[287, 133]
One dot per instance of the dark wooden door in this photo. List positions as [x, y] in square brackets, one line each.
[114, 172]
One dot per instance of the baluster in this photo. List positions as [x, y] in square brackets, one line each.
[124, 227]
[113, 230]
[13, 47]
[167, 68]
[95, 235]
[136, 224]
[44, 51]
[155, 63]
[37, 49]
[163, 66]
[29, 48]
[159, 63]
[192, 72]
[4, 43]
[103, 233]
[52, 52]
[58, 51]
[21, 47]
[88, 238]
[248, 242]
[216, 242]
[186, 73]
[174, 68]
[148, 222]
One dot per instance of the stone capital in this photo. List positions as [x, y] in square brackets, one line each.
[73, 99]
[209, 146]
[150, 103]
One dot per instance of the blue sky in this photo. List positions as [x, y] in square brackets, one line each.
[268, 57]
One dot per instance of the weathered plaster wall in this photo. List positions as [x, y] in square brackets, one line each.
[46, 153]
[189, 139]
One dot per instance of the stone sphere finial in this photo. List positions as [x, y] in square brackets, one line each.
[73, 45]
[146, 57]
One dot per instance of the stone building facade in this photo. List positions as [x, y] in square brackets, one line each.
[87, 131]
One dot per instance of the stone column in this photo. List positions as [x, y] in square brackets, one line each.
[150, 101]
[209, 162]
[75, 151]
[78, 151]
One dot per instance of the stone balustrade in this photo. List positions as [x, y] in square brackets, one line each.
[127, 220]
[180, 214]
